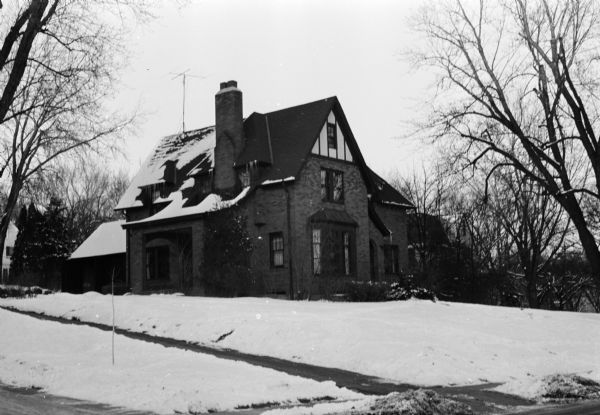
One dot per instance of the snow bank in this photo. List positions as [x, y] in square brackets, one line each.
[416, 402]
[75, 361]
[415, 341]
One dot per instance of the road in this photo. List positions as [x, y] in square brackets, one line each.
[482, 400]
[583, 408]
[23, 401]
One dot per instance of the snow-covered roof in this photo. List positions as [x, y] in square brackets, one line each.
[107, 239]
[177, 207]
[192, 152]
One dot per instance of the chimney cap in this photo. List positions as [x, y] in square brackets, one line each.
[229, 84]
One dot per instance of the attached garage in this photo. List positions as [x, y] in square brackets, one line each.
[92, 265]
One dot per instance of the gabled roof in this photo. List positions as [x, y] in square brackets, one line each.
[284, 138]
[107, 239]
[280, 141]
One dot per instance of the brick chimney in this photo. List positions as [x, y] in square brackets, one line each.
[229, 130]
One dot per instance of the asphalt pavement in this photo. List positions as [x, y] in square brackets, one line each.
[29, 401]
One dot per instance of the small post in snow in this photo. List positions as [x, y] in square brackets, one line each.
[112, 297]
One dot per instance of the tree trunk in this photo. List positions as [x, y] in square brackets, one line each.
[11, 202]
[588, 242]
[532, 297]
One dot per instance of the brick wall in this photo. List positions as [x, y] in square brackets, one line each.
[266, 213]
[306, 200]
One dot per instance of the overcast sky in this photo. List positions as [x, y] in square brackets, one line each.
[282, 53]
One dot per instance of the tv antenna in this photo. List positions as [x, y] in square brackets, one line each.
[183, 75]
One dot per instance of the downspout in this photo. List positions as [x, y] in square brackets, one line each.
[289, 232]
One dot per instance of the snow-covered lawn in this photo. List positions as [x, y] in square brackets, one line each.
[75, 361]
[418, 342]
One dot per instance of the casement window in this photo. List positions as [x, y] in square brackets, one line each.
[331, 136]
[390, 259]
[332, 185]
[333, 250]
[276, 243]
[157, 263]
[316, 251]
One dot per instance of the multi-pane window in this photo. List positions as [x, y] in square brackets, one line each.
[332, 250]
[346, 242]
[331, 136]
[157, 263]
[276, 241]
[332, 185]
[316, 251]
[390, 259]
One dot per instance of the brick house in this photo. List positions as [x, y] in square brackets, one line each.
[316, 214]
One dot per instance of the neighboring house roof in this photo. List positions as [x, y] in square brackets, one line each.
[281, 141]
[426, 229]
[386, 194]
[107, 239]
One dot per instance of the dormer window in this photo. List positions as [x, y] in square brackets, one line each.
[245, 178]
[205, 184]
[155, 194]
[331, 136]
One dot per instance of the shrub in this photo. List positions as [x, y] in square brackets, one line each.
[368, 291]
[570, 387]
[358, 291]
[227, 248]
[18, 291]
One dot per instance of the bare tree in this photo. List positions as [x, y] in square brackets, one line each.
[428, 190]
[57, 66]
[535, 223]
[88, 191]
[518, 86]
